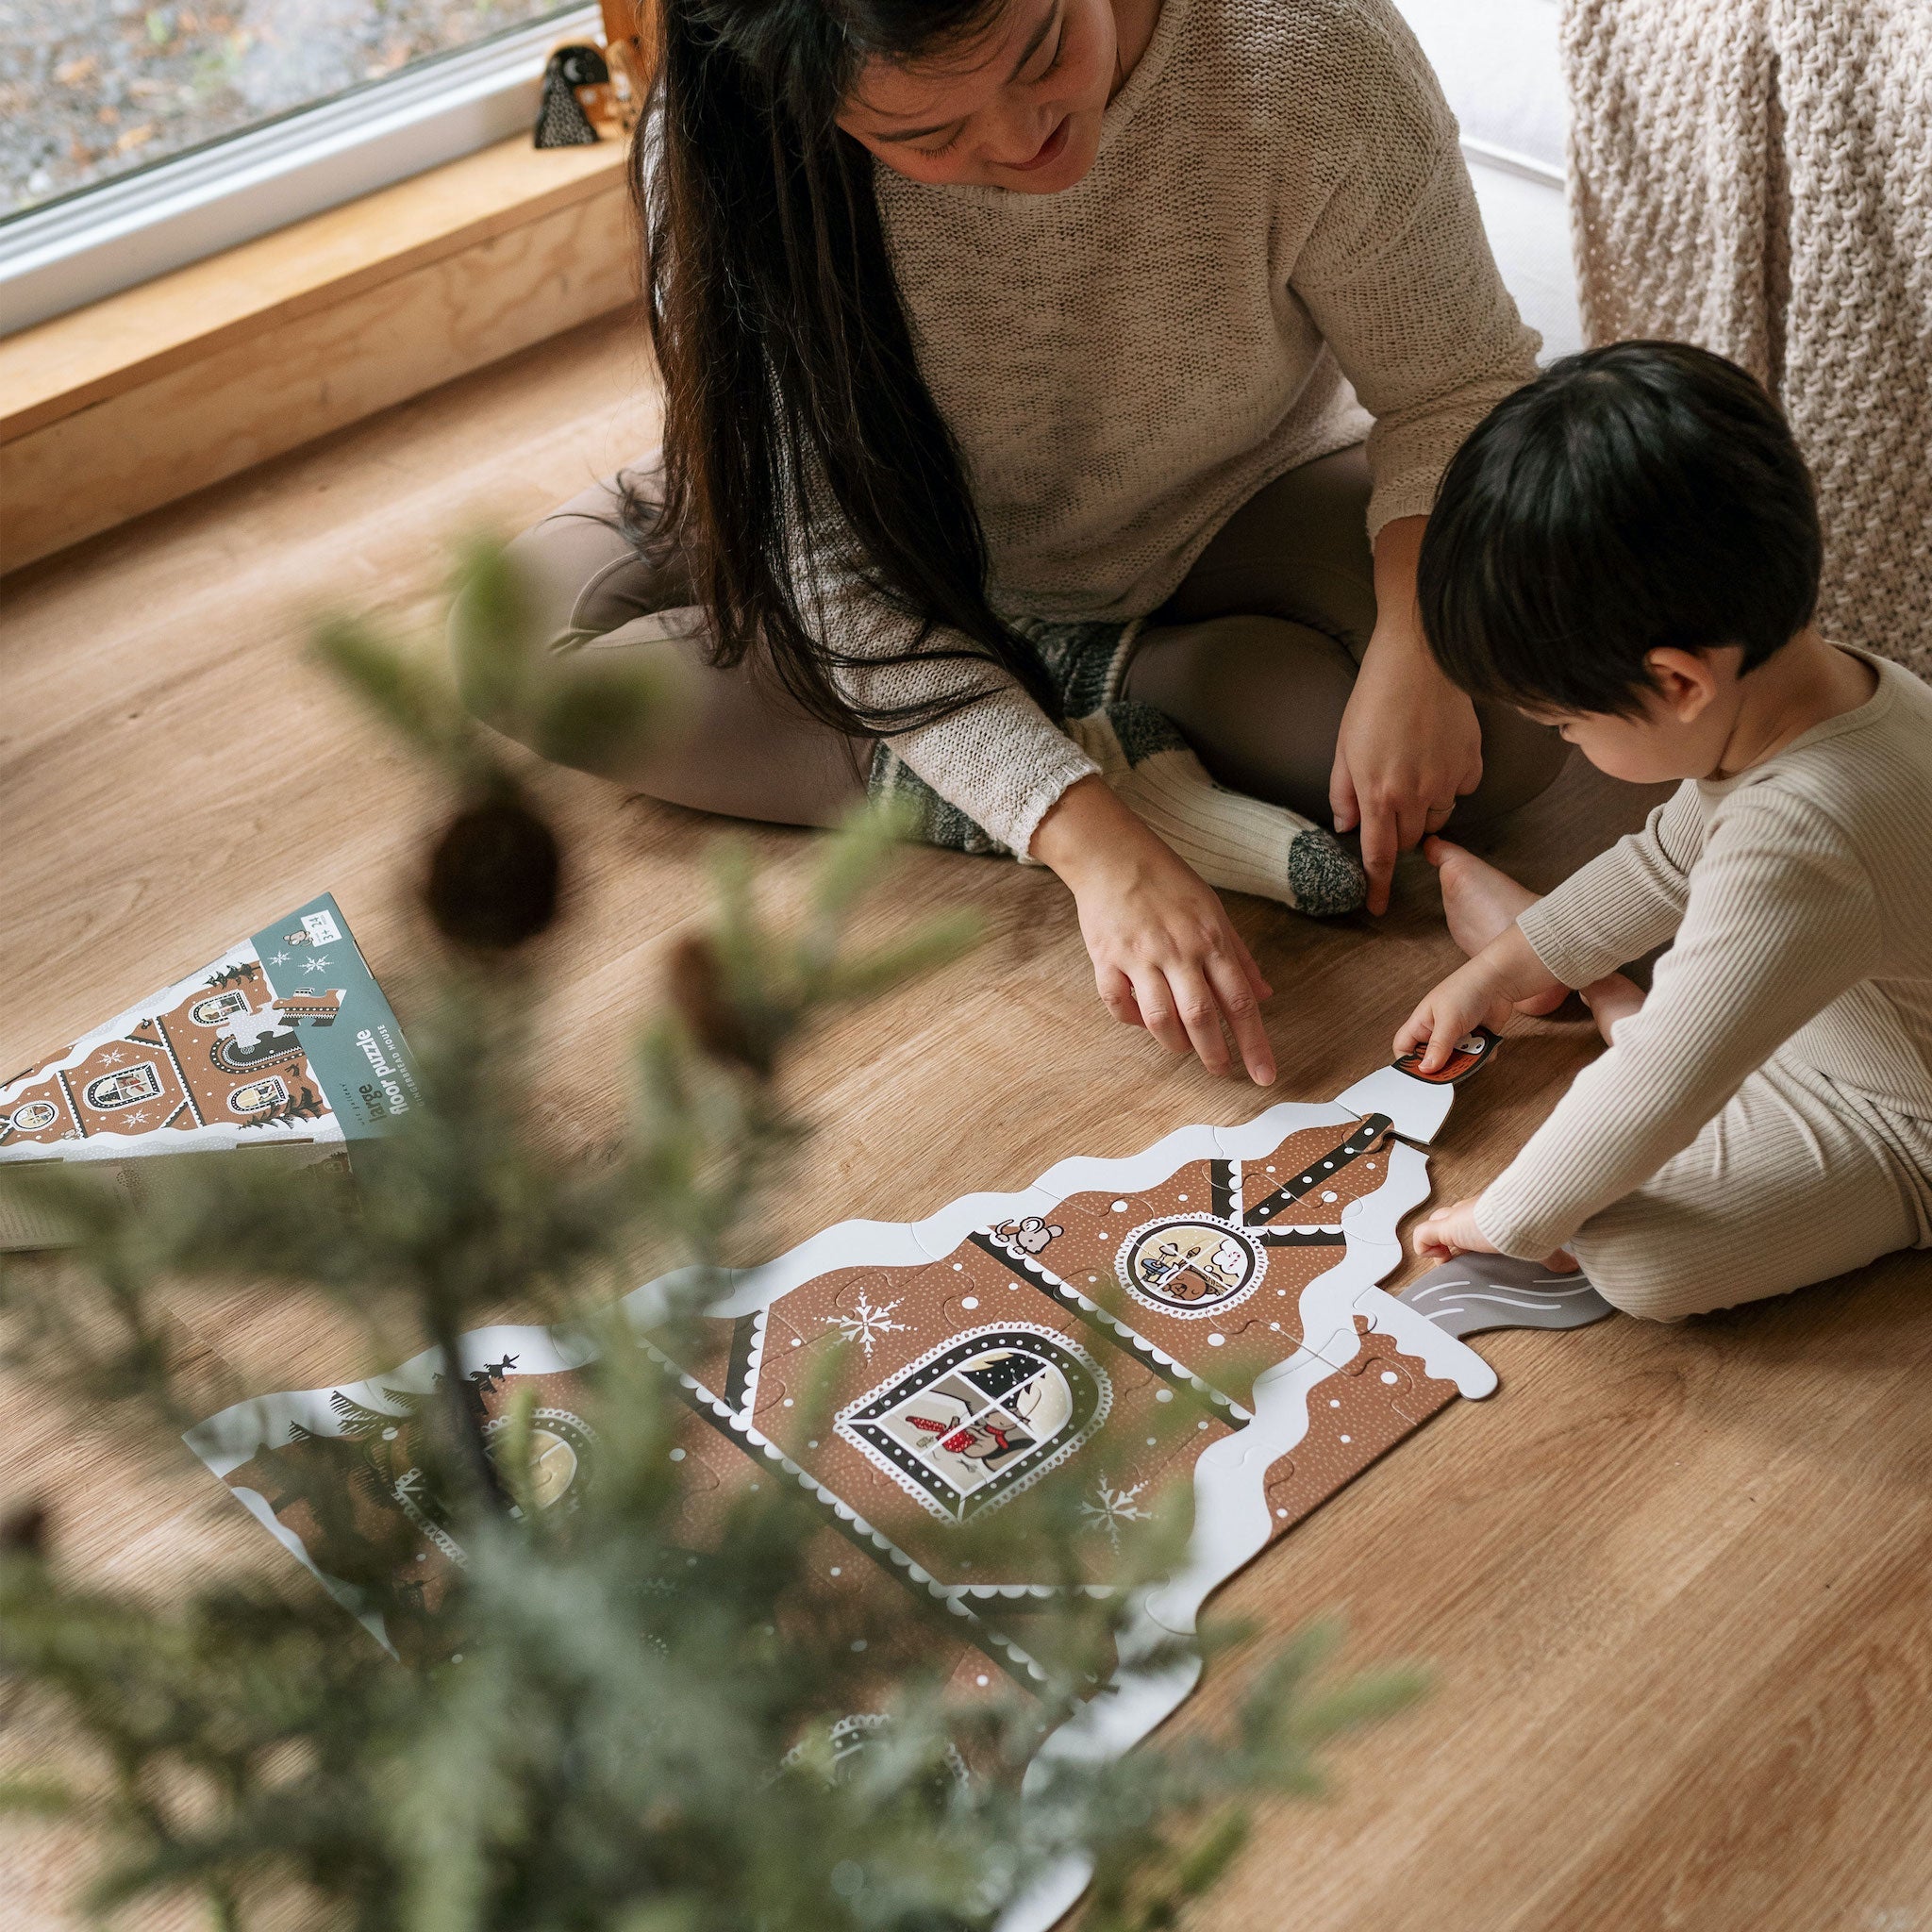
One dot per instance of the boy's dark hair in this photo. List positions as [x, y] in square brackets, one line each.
[1639, 496]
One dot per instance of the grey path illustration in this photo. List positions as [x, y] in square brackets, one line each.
[1476, 1292]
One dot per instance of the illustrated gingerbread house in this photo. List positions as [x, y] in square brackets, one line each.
[285, 1040]
[1203, 1312]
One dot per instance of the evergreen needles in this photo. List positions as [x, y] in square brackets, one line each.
[607, 1722]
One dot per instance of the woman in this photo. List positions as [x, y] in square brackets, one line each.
[1007, 349]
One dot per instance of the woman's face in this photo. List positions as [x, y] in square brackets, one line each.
[1018, 107]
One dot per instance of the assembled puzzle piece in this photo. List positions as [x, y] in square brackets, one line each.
[1203, 1314]
[1477, 1292]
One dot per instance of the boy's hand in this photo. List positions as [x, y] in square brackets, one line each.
[1482, 991]
[1469, 998]
[1450, 1231]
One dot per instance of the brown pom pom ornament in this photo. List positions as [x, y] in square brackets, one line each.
[494, 877]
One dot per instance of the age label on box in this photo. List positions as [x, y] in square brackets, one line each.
[321, 928]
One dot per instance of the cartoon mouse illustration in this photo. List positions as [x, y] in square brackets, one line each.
[1032, 1234]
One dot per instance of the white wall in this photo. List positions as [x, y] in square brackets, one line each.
[1498, 64]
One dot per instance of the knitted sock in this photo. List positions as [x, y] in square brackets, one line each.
[1237, 844]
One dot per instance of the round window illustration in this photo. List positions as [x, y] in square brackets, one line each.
[32, 1117]
[1190, 1265]
[561, 1446]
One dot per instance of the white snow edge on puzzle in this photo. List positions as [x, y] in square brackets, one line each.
[1231, 1525]
[1418, 1107]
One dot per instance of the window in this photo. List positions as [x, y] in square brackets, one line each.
[982, 1417]
[136, 139]
[259, 1095]
[219, 1006]
[139, 1082]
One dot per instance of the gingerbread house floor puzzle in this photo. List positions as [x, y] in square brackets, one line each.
[1205, 1312]
[284, 1042]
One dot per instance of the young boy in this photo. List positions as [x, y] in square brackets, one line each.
[1630, 549]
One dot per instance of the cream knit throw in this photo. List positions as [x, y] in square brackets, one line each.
[1755, 177]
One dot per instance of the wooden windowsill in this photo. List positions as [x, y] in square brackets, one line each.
[151, 394]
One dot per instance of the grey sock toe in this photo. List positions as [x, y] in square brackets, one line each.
[1321, 877]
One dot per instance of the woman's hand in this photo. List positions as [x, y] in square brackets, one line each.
[1165, 956]
[1409, 745]
[1450, 1231]
[1482, 991]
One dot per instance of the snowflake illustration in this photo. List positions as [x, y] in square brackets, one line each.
[279, 960]
[114, 1058]
[867, 1324]
[1112, 1507]
[137, 1117]
[316, 963]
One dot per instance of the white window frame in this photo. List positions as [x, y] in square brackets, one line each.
[99, 240]
[1509, 161]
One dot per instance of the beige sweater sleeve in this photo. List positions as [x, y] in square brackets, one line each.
[1780, 918]
[1398, 276]
[1623, 902]
[1000, 759]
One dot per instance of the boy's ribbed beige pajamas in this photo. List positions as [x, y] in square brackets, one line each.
[1786, 1186]
[1766, 1119]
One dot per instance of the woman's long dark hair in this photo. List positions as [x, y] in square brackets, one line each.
[799, 434]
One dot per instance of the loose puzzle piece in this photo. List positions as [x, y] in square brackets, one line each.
[1203, 1315]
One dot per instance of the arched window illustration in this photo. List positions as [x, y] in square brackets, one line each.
[124, 1087]
[259, 1095]
[219, 1006]
[982, 1417]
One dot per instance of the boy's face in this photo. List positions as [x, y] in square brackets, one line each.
[1681, 731]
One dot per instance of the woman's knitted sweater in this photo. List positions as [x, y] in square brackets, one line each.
[1276, 252]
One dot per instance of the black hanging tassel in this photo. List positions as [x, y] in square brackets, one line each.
[560, 118]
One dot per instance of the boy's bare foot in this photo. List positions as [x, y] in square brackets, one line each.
[1479, 902]
[1610, 999]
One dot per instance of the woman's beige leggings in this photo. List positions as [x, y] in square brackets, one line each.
[1254, 657]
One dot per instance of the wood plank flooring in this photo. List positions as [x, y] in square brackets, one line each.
[1672, 1582]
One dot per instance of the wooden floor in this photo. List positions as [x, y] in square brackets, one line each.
[1673, 1582]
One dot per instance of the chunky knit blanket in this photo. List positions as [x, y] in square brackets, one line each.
[1755, 177]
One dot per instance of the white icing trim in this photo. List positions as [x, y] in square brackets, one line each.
[1232, 1523]
[1418, 1107]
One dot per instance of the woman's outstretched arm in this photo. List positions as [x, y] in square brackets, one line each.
[1398, 275]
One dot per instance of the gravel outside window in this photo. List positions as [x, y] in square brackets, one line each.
[93, 90]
